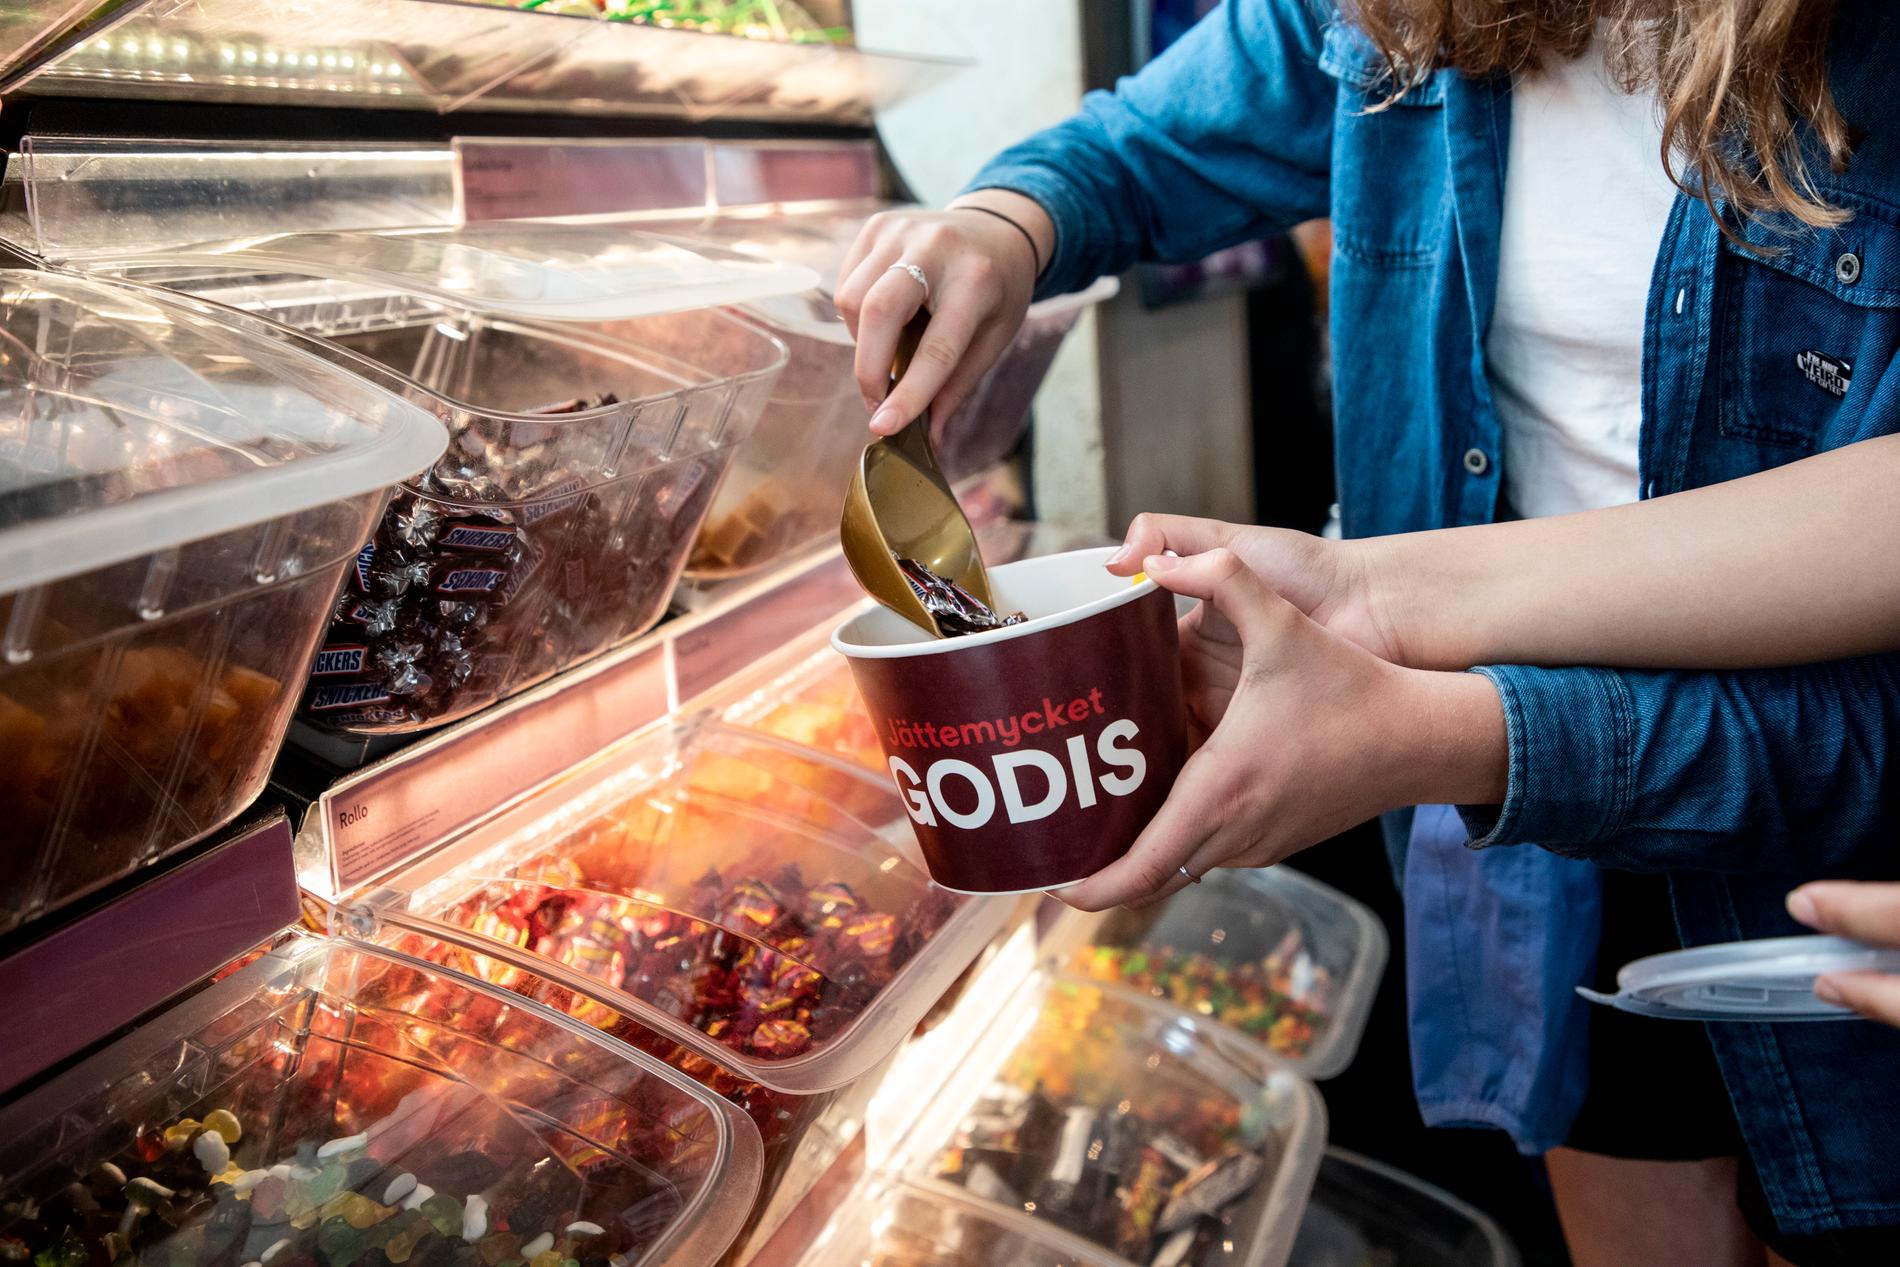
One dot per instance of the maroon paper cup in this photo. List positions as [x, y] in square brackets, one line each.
[1029, 757]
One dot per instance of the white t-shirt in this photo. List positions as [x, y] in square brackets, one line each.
[1585, 203]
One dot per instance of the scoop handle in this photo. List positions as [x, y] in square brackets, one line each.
[907, 340]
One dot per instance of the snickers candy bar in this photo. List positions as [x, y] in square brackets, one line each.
[477, 538]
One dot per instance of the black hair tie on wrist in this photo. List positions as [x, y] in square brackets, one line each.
[1013, 223]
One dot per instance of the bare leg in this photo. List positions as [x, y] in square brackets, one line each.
[1619, 1213]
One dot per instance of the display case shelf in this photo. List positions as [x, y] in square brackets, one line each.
[444, 55]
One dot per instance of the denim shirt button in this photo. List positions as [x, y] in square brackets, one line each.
[1847, 268]
[1476, 462]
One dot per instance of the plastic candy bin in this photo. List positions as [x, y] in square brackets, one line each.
[578, 470]
[179, 496]
[1088, 1111]
[594, 391]
[699, 904]
[334, 1105]
[1270, 955]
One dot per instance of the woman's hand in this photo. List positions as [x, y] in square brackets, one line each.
[1339, 584]
[1865, 911]
[1314, 734]
[981, 273]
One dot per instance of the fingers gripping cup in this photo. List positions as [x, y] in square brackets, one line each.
[1029, 756]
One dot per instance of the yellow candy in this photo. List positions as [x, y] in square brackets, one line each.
[546, 1258]
[1139, 578]
[226, 1124]
[360, 1211]
[179, 1134]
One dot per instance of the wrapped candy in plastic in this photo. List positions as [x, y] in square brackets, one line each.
[497, 568]
[1149, 1168]
[956, 610]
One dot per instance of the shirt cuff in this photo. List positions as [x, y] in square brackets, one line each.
[1572, 740]
[1042, 186]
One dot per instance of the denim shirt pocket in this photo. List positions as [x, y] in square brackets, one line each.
[1810, 325]
[1391, 171]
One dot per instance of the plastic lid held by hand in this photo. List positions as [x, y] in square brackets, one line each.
[1767, 980]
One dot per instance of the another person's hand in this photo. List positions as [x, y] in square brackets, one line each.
[981, 271]
[1866, 911]
[1314, 734]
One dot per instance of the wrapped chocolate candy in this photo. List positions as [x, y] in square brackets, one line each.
[957, 611]
[741, 969]
[1147, 1157]
[498, 568]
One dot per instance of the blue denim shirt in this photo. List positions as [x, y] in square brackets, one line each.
[1736, 784]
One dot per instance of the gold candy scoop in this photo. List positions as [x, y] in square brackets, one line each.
[900, 506]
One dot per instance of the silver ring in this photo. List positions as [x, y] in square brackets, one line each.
[916, 274]
[1192, 878]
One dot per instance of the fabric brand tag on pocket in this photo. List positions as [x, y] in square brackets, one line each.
[1831, 374]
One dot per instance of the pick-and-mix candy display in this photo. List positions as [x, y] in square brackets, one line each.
[462, 598]
[1281, 999]
[1135, 1154]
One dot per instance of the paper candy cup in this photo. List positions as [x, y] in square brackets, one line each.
[1029, 757]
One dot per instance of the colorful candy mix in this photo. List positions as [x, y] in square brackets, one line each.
[187, 1194]
[1278, 999]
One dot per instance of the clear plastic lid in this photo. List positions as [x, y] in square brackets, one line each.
[448, 55]
[337, 1105]
[707, 889]
[132, 423]
[1365, 1213]
[1767, 980]
[522, 268]
[1282, 959]
[1126, 1125]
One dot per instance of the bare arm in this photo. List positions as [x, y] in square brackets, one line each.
[1793, 565]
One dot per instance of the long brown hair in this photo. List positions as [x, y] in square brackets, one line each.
[1739, 81]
